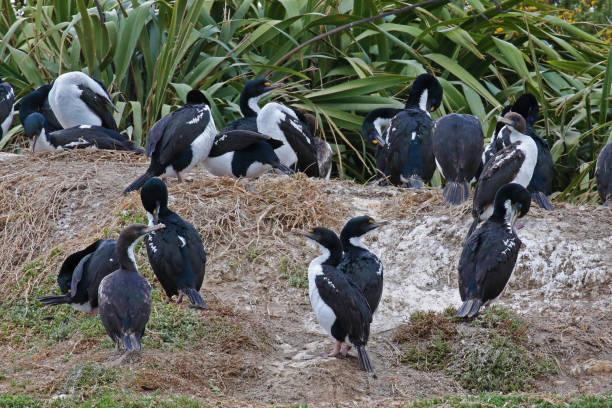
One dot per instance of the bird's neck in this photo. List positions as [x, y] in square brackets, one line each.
[127, 260]
[330, 256]
[353, 244]
[249, 106]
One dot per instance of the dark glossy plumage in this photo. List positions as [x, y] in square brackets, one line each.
[603, 174]
[37, 102]
[408, 154]
[490, 253]
[252, 92]
[176, 252]
[124, 295]
[81, 273]
[79, 137]
[373, 128]
[457, 145]
[337, 301]
[358, 263]
[179, 140]
[7, 99]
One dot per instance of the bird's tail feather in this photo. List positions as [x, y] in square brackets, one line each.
[55, 299]
[194, 297]
[541, 200]
[412, 181]
[455, 193]
[139, 182]
[364, 359]
[131, 342]
[607, 202]
[282, 168]
[469, 308]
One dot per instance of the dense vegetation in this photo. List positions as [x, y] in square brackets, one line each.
[486, 53]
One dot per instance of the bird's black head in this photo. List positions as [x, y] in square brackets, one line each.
[514, 120]
[373, 123]
[196, 97]
[33, 125]
[527, 106]
[500, 125]
[251, 93]
[327, 240]
[512, 201]
[357, 227]
[127, 240]
[154, 197]
[257, 87]
[429, 101]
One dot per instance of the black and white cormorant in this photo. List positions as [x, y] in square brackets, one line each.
[409, 158]
[458, 143]
[80, 276]
[489, 254]
[541, 182]
[124, 295]
[78, 137]
[179, 140]
[176, 252]
[513, 164]
[244, 153]
[301, 150]
[37, 102]
[253, 91]
[337, 301]
[76, 99]
[359, 264]
[374, 125]
[603, 174]
[7, 100]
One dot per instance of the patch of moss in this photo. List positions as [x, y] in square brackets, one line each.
[504, 322]
[499, 365]
[88, 376]
[428, 356]
[517, 401]
[18, 401]
[296, 277]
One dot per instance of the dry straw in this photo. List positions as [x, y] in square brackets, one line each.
[67, 200]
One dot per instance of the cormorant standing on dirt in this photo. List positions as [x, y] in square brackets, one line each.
[125, 295]
[490, 253]
[338, 303]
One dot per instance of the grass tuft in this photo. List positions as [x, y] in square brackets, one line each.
[296, 277]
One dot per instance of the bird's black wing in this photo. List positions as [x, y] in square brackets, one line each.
[366, 272]
[103, 262]
[299, 138]
[458, 145]
[543, 171]
[347, 302]
[498, 171]
[233, 140]
[399, 138]
[80, 280]
[165, 257]
[196, 254]
[7, 99]
[186, 125]
[100, 105]
[67, 269]
[242, 124]
[487, 261]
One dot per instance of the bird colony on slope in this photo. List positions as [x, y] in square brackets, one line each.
[346, 280]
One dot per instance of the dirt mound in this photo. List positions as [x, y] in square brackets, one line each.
[259, 343]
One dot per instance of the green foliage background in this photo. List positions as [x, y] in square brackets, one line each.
[485, 53]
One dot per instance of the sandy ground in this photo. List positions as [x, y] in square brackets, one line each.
[561, 286]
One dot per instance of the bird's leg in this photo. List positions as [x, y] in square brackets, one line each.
[93, 311]
[179, 299]
[167, 299]
[345, 349]
[180, 178]
[335, 351]
[163, 178]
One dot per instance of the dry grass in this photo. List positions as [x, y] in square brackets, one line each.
[46, 202]
[426, 201]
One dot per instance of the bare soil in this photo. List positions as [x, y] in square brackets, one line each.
[562, 284]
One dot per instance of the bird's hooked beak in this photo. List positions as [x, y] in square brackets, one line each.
[269, 86]
[153, 228]
[504, 120]
[308, 234]
[156, 214]
[376, 224]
